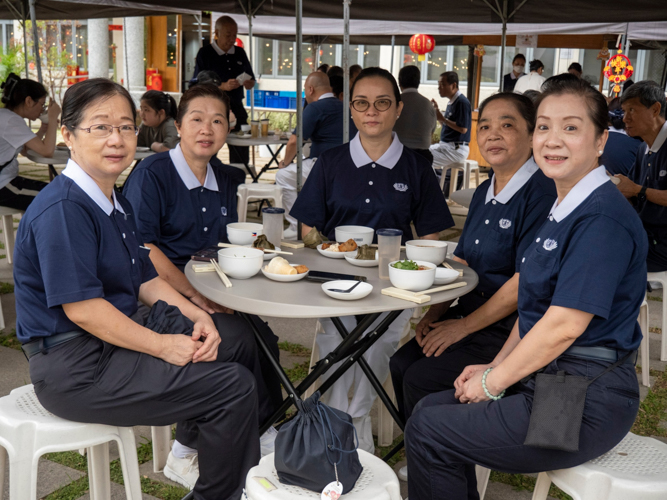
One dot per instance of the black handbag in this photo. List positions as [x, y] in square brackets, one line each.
[558, 409]
[317, 447]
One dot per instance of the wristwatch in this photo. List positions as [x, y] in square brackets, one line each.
[641, 197]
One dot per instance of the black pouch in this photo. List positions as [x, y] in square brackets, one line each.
[558, 409]
[317, 447]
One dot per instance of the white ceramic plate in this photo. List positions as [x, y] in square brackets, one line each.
[361, 263]
[143, 149]
[285, 278]
[335, 255]
[360, 292]
[444, 276]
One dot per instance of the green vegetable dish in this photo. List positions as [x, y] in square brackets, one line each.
[408, 265]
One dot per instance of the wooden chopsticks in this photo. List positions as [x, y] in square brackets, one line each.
[266, 250]
[448, 266]
[223, 276]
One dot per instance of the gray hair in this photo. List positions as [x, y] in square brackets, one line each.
[648, 92]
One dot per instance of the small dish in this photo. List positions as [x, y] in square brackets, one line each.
[143, 149]
[335, 255]
[362, 263]
[269, 256]
[444, 276]
[284, 278]
[359, 292]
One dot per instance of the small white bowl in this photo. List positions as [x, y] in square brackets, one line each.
[361, 291]
[361, 234]
[284, 278]
[445, 276]
[414, 281]
[269, 256]
[362, 263]
[239, 262]
[243, 233]
[429, 250]
[335, 255]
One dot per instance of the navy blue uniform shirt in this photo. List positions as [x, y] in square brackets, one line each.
[650, 170]
[500, 227]
[74, 245]
[459, 111]
[174, 211]
[589, 255]
[323, 124]
[346, 187]
[620, 153]
[226, 65]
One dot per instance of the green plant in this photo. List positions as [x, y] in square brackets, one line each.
[12, 62]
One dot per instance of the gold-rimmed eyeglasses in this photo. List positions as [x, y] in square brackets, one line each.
[362, 105]
[106, 130]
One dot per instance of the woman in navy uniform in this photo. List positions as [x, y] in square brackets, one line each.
[504, 215]
[183, 201]
[582, 281]
[371, 181]
[80, 269]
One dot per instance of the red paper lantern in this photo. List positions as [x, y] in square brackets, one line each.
[618, 70]
[421, 45]
[239, 43]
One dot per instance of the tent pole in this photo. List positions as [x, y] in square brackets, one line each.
[33, 19]
[25, 46]
[250, 44]
[200, 19]
[502, 45]
[299, 103]
[346, 70]
[393, 44]
[126, 67]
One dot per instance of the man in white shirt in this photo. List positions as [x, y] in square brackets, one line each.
[533, 80]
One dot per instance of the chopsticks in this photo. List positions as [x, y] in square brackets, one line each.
[266, 250]
[446, 264]
[223, 276]
[451, 286]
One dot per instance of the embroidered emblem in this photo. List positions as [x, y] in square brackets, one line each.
[399, 186]
[550, 244]
[240, 63]
[663, 173]
[224, 211]
[505, 223]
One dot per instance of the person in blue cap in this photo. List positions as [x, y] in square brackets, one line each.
[582, 282]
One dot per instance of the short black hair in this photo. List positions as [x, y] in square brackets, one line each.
[337, 83]
[323, 68]
[556, 79]
[536, 64]
[159, 100]
[80, 96]
[648, 92]
[519, 56]
[616, 114]
[355, 69]
[409, 77]
[335, 71]
[531, 94]
[451, 77]
[378, 73]
[201, 90]
[523, 105]
[208, 76]
[15, 90]
[577, 67]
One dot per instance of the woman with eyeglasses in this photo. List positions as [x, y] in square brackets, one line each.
[371, 181]
[80, 268]
[23, 98]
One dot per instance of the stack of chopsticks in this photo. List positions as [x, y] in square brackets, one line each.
[446, 264]
[223, 276]
[419, 297]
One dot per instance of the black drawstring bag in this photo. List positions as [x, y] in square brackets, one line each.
[315, 445]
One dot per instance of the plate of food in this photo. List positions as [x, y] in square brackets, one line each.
[243, 135]
[338, 250]
[281, 270]
[143, 149]
[263, 244]
[366, 256]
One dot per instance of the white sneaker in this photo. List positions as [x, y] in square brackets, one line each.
[183, 471]
[290, 234]
[364, 433]
[403, 473]
[267, 441]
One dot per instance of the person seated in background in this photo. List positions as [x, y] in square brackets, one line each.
[533, 80]
[337, 87]
[646, 185]
[323, 125]
[355, 69]
[518, 67]
[323, 68]
[23, 98]
[417, 122]
[370, 181]
[335, 71]
[620, 152]
[157, 131]
[575, 69]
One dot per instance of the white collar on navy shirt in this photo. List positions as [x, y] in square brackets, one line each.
[90, 187]
[388, 160]
[187, 175]
[517, 181]
[456, 96]
[221, 52]
[581, 190]
[411, 89]
[326, 95]
[617, 130]
[659, 140]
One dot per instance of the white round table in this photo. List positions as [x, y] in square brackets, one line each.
[462, 197]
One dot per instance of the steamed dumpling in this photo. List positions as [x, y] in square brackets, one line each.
[278, 265]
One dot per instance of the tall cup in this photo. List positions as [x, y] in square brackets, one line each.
[272, 224]
[389, 249]
[265, 127]
[254, 128]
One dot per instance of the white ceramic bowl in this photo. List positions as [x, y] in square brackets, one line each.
[239, 262]
[444, 276]
[415, 281]
[361, 291]
[361, 234]
[429, 250]
[243, 233]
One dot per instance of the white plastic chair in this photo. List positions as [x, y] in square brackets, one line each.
[643, 348]
[161, 438]
[636, 469]
[259, 191]
[662, 278]
[468, 167]
[377, 482]
[7, 215]
[28, 431]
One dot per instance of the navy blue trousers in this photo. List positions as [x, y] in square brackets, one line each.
[445, 439]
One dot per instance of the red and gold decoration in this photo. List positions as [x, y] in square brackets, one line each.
[480, 50]
[238, 43]
[618, 70]
[422, 45]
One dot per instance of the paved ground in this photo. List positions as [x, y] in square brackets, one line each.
[55, 478]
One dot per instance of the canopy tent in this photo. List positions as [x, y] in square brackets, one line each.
[84, 9]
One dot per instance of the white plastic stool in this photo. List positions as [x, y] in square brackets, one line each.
[662, 278]
[643, 348]
[377, 482]
[28, 431]
[7, 215]
[467, 166]
[257, 191]
[161, 439]
[636, 469]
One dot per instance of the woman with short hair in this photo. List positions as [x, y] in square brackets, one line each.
[533, 80]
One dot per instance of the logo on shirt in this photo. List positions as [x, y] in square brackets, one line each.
[239, 63]
[399, 186]
[550, 244]
[505, 223]
[224, 211]
[663, 173]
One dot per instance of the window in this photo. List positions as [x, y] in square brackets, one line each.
[437, 63]
[354, 55]
[547, 56]
[591, 65]
[328, 54]
[285, 58]
[265, 56]
[172, 40]
[409, 58]
[66, 39]
[460, 63]
[308, 59]
[81, 45]
[371, 56]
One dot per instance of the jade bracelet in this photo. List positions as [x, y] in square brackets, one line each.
[486, 391]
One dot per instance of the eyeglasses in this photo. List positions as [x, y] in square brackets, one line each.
[107, 130]
[362, 105]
